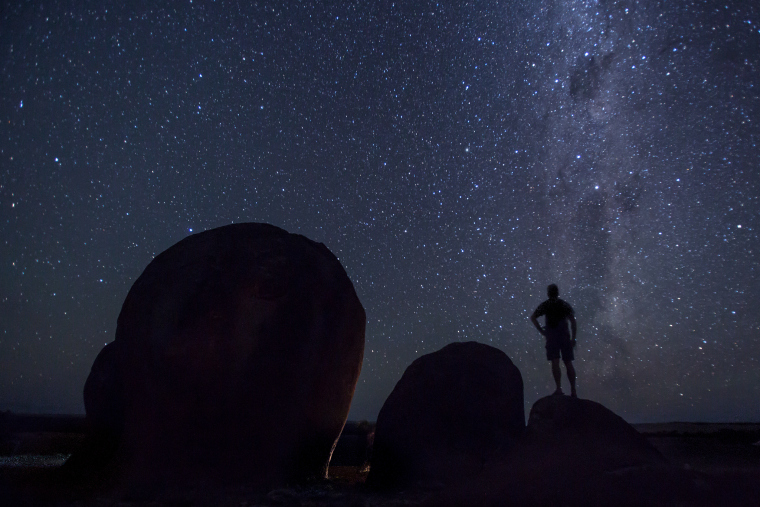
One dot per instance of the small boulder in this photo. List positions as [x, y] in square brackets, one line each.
[587, 434]
[452, 411]
[237, 353]
[575, 452]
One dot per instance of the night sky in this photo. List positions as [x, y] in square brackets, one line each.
[457, 157]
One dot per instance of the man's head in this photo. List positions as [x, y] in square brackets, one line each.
[552, 291]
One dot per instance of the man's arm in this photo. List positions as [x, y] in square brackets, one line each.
[534, 320]
[573, 327]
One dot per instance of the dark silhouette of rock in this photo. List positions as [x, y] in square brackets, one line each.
[238, 350]
[452, 411]
[104, 406]
[576, 452]
[592, 436]
[104, 393]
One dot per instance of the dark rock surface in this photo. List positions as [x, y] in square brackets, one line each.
[451, 412]
[577, 452]
[593, 437]
[238, 350]
[104, 393]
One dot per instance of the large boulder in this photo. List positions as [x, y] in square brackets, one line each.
[451, 412]
[237, 353]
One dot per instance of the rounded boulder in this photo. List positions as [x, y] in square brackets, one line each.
[239, 349]
[451, 412]
[588, 434]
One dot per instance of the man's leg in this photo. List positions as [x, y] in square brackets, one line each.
[557, 375]
[571, 377]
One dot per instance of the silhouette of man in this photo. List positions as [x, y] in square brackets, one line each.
[558, 339]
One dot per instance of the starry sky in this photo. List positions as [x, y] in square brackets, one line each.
[457, 157]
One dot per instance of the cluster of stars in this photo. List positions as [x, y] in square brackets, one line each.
[457, 158]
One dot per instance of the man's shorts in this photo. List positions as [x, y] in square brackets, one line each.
[558, 343]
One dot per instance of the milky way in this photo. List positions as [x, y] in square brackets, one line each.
[456, 156]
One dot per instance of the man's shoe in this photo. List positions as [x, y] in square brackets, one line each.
[559, 391]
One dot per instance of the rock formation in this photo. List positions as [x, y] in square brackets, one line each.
[452, 411]
[575, 452]
[587, 434]
[237, 350]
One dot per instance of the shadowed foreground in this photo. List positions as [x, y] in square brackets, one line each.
[722, 457]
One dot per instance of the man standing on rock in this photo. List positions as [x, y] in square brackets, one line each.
[558, 339]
